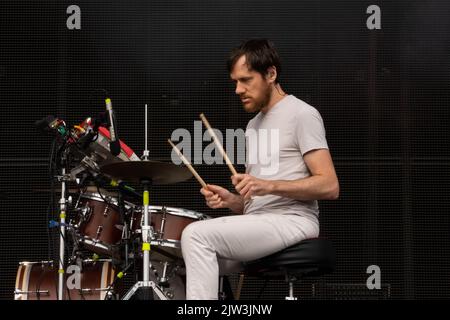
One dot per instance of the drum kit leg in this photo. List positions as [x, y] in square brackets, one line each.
[146, 286]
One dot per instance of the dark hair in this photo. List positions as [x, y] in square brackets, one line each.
[260, 54]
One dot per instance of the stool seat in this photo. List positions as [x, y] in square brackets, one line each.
[311, 257]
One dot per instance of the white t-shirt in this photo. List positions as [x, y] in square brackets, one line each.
[276, 143]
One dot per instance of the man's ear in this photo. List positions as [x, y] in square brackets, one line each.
[271, 74]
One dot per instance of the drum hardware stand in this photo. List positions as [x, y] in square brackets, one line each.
[164, 280]
[163, 222]
[146, 286]
[221, 291]
[62, 227]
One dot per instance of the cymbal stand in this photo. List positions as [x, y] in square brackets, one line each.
[146, 285]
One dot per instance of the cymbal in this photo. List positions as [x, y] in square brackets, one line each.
[157, 172]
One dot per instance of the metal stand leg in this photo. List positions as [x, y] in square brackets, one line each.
[291, 288]
[221, 292]
[146, 287]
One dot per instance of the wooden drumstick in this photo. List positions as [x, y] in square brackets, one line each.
[188, 165]
[217, 142]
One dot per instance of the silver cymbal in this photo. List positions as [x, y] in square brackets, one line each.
[157, 172]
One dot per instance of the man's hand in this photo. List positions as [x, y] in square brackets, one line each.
[249, 186]
[216, 197]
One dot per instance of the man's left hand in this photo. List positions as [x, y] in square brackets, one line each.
[249, 186]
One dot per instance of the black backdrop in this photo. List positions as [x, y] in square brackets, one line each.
[383, 95]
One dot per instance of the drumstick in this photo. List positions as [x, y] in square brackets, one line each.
[188, 165]
[216, 141]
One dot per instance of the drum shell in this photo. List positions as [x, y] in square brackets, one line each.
[101, 227]
[175, 220]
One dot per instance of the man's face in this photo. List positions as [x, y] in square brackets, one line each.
[253, 89]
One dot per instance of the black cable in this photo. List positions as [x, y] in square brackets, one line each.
[101, 195]
[114, 283]
[66, 245]
[91, 95]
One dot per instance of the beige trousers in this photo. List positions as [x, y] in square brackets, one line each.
[219, 246]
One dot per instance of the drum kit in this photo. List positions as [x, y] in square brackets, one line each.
[112, 227]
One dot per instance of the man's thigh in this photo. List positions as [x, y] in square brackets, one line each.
[242, 238]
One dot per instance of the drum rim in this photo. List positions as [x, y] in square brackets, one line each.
[97, 197]
[178, 212]
[96, 243]
[175, 244]
[30, 263]
[113, 200]
[88, 260]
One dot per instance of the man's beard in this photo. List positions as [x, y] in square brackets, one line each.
[259, 105]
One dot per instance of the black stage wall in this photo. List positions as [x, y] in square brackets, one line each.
[383, 95]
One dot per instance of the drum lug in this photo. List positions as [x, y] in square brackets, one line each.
[105, 212]
[163, 222]
[99, 230]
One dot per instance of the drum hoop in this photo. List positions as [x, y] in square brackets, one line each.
[97, 197]
[27, 263]
[179, 212]
[172, 243]
[96, 244]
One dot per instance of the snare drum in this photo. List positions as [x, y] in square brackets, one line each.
[39, 281]
[98, 223]
[168, 224]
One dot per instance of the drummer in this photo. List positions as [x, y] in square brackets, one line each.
[275, 208]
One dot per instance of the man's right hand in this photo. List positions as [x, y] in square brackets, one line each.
[217, 197]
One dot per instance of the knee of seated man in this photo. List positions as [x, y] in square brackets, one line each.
[191, 232]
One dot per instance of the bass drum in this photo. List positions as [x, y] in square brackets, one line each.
[39, 281]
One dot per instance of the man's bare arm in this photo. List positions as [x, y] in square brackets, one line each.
[323, 183]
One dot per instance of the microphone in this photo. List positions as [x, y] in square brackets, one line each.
[114, 144]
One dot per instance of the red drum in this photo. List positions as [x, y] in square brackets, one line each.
[168, 224]
[98, 223]
[39, 281]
